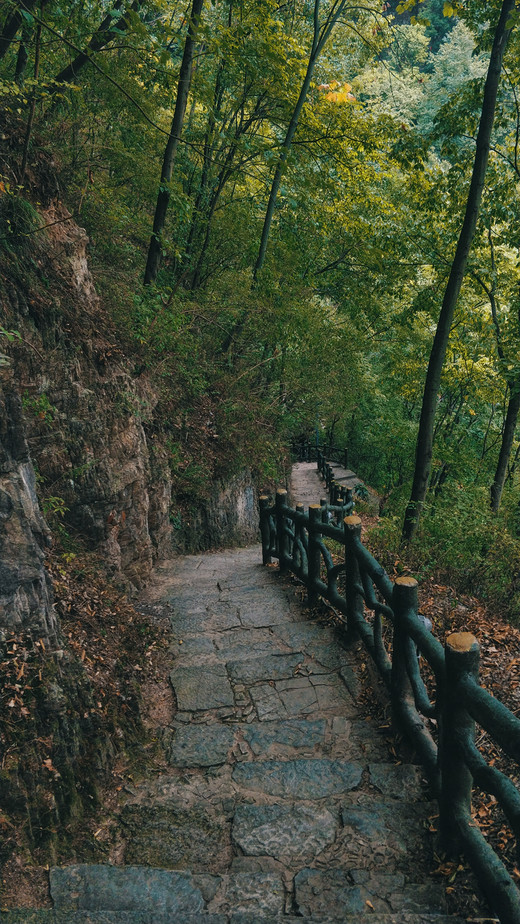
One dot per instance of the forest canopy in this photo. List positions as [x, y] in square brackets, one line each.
[274, 193]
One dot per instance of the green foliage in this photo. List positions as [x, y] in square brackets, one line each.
[10, 336]
[336, 332]
[460, 542]
[54, 508]
[439, 25]
[18, 220]
[40, 407]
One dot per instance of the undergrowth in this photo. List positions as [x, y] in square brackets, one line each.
[461, 541]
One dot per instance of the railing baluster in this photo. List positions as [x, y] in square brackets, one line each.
[298, 530]
[404, 600]
[314, 554]
[265, 530]
[354, 599]
[404, 711]
[462, 657]
[281, 532]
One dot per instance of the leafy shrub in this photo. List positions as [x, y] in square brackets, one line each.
[461, 541]
[18, 220]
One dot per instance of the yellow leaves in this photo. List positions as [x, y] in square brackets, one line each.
[404, 5]
[449, 9]
[336, 92]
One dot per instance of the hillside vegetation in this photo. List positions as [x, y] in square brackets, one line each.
[273, 195]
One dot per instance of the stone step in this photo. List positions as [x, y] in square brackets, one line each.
[51, 916]
[102, 894]
[372, 918]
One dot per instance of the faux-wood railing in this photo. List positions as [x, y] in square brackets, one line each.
[309, 451]
[451, 759]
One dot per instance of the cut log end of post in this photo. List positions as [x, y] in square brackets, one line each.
[461, 641]
[406, 580]
[352, 521]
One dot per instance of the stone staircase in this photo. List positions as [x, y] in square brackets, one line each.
[141, 895]
[280, 802]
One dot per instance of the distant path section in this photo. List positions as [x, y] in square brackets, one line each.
[307, 487]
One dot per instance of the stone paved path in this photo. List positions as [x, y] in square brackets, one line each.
[280, 802]
[307, 487]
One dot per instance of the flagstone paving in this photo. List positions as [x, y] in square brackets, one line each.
[280, 801]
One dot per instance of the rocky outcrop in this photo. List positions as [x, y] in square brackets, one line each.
[229, 517]
[25, 591]
[85, 413]
[94, 426]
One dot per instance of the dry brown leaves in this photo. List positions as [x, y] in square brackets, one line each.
[123, 653]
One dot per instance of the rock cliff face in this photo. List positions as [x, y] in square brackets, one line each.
[91, 428]
[25, 592]
[76, 417]
[229, 516]
[84, 412]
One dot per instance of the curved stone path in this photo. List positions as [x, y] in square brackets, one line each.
[307, 487]
[280, 803]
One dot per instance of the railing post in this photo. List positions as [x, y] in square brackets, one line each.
[265, 530]
[345, 457]
[298, 528]
[352, 533]
[314, 554]
[456, 725]
[328, 476]
[282, 539]
[404, 600]
[324, 510]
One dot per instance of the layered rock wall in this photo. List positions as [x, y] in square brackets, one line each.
[76, 408]
[25, 591]
[228, 517]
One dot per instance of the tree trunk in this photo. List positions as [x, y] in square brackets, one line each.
[202, 191]
[508, 434]
[11, 26]
[163, 198]
[22, 57]
[319, 38]
[424, 447]
[32, 106]
[101, 37]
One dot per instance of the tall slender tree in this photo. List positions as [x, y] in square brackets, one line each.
[163, 198]
[424, 446]
[12, 24]
[321, 32]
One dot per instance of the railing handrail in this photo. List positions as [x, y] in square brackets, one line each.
[310, 451]
[295, 538]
